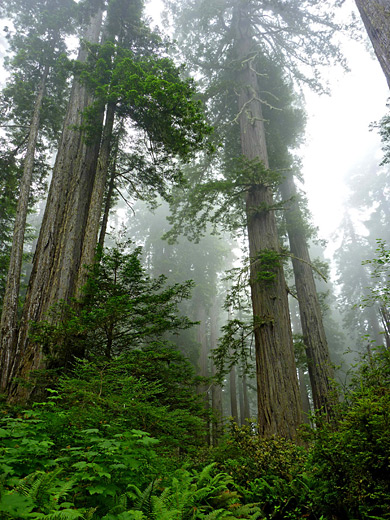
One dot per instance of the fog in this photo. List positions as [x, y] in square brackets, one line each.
[338, 134]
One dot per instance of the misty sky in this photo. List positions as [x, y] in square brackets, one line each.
[338, 134]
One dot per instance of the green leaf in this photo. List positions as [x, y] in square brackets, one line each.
[16, 504]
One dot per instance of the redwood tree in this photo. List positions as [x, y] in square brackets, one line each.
[229, 44]
[31, 104]
[376, 18]
[148, 90]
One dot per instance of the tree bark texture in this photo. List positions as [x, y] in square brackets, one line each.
[279, 407]
[58, 253]
[97, 196]
[9, 316]
[320, 367]
[376, 18]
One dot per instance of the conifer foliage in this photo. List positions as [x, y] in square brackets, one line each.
[121, 72]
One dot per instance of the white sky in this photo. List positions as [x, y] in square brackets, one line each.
[338, 133]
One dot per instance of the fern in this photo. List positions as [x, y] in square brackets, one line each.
[193, 496]
[65, 514]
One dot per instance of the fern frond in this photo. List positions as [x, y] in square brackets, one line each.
[218, 514]
[248, 511]
[65, 514]
[205, 475]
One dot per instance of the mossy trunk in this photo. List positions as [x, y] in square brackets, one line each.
[58, 253]
[376, 18]
[279, 407]
[9, 316]
[316, 346]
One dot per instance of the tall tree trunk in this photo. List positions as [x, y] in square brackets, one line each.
[233, 394]
[110, 192]
[279, 407]
[376, 18]
[203, 389]
[9, 316]
[216, 389]
[320, 367]
[58, 253]
[246, 413]
[96, 204]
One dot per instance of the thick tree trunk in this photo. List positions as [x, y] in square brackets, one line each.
[279, 407]
[9, 317]
[58, 253]
[320, 367]
[376, 18]
[96, 204]
[106, 211]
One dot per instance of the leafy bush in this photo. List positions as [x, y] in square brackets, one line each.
[351, 464]
[121, 309]
[152, 390]
[270, 472]
[42, 478]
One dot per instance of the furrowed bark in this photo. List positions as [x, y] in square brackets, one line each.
[376, 18]
[57, 256]
[97, 196]
[319, 364]
[9, 317]
[279, 407]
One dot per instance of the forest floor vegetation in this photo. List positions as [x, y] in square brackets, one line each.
[114, 444]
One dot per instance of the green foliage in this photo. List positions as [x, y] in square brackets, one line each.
[232, 349]
[152, 389]
[351, 464]
[51, 469]
[267, 264]
[380, 276]
[150, 92]
[122, 308]
[270, 472]
[192, 495]
[247, 457]
[79, 456]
